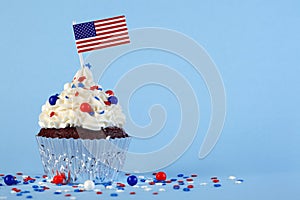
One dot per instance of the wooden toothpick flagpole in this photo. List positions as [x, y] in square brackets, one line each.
[80, 54]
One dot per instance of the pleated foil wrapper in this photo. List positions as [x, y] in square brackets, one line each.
[79, 160]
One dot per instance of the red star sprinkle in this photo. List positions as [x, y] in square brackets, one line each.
[82, 78]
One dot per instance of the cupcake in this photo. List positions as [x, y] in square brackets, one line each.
[82, 135]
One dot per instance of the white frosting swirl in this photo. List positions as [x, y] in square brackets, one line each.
[67, 112]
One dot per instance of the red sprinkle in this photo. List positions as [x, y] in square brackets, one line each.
[68, 195]
[76, 94]
[120, 185]
[82, 78]
[94, 87]
[19, 173]
[155, 193]
[109, 92]
[190, 186]
[127, 174]
[180, 181]
[45, 176]
[75, 186]
[52, 114]
[151, 183]
[132, 193]
[168, 181]
[194, 175]
[2, 174]
[107, 103]
[189, 179]
[215, 180]
[99, 192]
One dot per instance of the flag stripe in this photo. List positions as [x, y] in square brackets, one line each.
[87, 40]
[105, 46]
[109, 19]
[104, 33]
[102, 41]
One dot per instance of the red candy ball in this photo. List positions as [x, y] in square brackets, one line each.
[85, 107]
[58, 179]
[161, 176]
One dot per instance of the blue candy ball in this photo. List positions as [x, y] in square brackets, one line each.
[53, 99]
[113, 99]
[9, 180]
[132, 180]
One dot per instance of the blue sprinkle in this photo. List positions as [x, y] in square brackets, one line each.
[113, 194]
[35, 186]
[57, 192]
[186, 177]
[25, 192]
[186, 189]
[73, 86]
[36, 189]
[97, 98]
[25, 183]
[76, 190]
[29, 197]
[41, 190]
[107, 184]
[91, 113]
[1, 184]
[66, 97]
[44, 180]
[164, 184]
[70, 184]
[81, 85]
[100, 89]
[88, 65]
[37, 177]
[173, 179]
[240, 180]
[143, 180]
[102, 112]
[181, 183]
[31, 181]
[217, 185]
[155, 180]
[176, 187]
[180, 175]
[19, 194]
[120, 188]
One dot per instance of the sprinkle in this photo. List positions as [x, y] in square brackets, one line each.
[231, 177]
[155, 193]
[100, 89]
[68, 195]
[212, 178]
[173, 179]
[239, 181]
[143, 180]
[176, 187]
[66, 97]
[73, 86]
[88, 65]
[189, 179]
[107, 103]
[72, 198]
[29, 197]
[81, 85]
[19, 194]
[97, 98]
[82, 78]
[186, 189]
[190, 186]
[91, 113]
[132, 193]
[194, 175]
[180, 175]
[57, 192]
[113, 194]
[203, 184]
[215, 181]
[35, 186]
[162, 189]
[19, 173]
[76, 94]
[99, 192]
[151, 183]
[94, 87]
[147, 189]
[217, 185]
[109, 92]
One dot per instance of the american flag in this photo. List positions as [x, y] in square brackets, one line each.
[100, 34]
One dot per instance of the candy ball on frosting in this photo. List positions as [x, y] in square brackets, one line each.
[113, 99]
[86, 107]
[53, 99]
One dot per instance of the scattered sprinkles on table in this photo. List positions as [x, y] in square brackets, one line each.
[154, 184]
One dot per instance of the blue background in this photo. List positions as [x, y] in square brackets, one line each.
[255, 45]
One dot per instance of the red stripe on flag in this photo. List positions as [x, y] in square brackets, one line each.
[109, 23]
[101, 47]
[110, 27]
[101, 38]
[107, 19]
[114, 31]
[102, 42]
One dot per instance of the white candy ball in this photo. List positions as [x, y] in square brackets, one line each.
[89, 185]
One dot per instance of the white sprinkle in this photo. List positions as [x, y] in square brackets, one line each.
[203, 184]
[162, 189]
[80, 185]
[72, 198]
[66, 191]
[13, 192]
[97, 190]
[58, 191]
[160, 184]
[136, 186]
[144, 186]
[109, 187]
[190, 181]
[238, 182]
[148, 189]
[142, 177]
[231, 177]
[119, 191]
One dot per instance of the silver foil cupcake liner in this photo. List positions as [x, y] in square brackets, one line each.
[83, 159]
